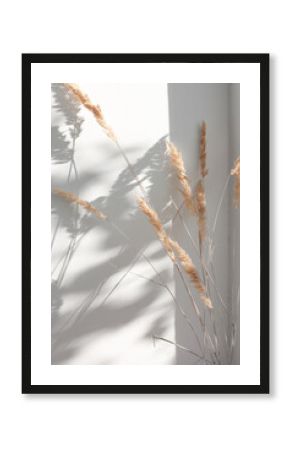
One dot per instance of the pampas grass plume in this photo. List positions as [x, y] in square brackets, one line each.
[95, 109]
[191, 271]
[157, 225]
[200, 200]
[72, 198]
[202, 151]
[236, 173]
[177, 163]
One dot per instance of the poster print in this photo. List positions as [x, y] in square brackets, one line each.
[146, 223]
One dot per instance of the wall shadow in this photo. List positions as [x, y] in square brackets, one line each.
[93, 315]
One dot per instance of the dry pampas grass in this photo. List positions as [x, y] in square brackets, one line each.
[178, 164]
[172, 247]
[202, 151]
[157, 225]
[236, 173]
[95, 109]
[200, 201]
[191, 271]
[72, 198]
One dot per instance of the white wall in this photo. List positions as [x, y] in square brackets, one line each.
[85, 330]
[217, 105]
[234, 225]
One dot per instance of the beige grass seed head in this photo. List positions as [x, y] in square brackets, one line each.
[95, 109]
[72, 198]
[236, 173]
[200, 200]
[177, 163]
[202, 151]
[157, 225]
[191, 271]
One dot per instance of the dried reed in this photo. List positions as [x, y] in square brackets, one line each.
[72, 198]
[200, 201]
[172, 247]
[191, 271]
[202, 151]
[157, 225]
[95, 109]
[236, 173]
[178, 164]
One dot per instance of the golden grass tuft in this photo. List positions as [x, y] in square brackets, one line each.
[95, 109]
[236, 173]
[157, 225]
[173, 248]
[200, 201]
[202, 151]
[191, 271]
[72, 198]
[176, 161]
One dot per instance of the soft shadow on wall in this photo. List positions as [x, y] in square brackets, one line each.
[76, 323]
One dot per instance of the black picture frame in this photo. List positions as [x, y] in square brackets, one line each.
[27, 61]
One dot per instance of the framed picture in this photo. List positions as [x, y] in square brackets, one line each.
[145, 255]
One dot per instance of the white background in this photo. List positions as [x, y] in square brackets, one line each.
[145, 422]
